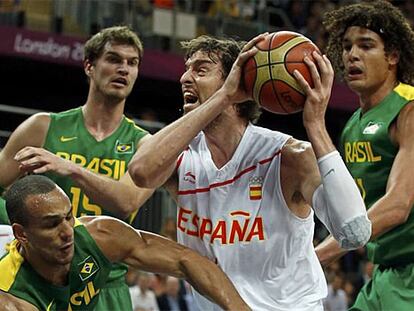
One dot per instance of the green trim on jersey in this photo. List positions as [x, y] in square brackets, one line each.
[369, 155]
[4, 218]
[89, 272]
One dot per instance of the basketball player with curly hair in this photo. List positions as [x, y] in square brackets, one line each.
[244, 192]
[371, 46]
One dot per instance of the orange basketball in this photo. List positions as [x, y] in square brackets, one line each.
[268, 75]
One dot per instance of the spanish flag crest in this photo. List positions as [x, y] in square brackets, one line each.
[255, 187]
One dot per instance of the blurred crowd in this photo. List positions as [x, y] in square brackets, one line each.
[303, 16]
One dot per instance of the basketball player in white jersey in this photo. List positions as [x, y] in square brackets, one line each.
[246, 195]
[6, 236]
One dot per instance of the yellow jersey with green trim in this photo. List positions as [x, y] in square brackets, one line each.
[89, 271]
[369, 155]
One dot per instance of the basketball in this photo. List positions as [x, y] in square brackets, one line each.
[268, 75]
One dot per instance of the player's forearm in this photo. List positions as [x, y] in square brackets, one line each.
[209, 280]
[319, 138]
[114, 196]
[328, 251]
[155, 160]
[387, 213]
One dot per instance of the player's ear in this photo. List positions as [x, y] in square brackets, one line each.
[19, 233]
[87, 66]
[393, 58]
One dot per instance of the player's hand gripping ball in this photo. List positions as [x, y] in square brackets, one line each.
[268, 75]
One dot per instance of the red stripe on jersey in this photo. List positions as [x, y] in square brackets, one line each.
[229, 181]
[180, 159]
[253, 188]
[255, 197]
[240, 213]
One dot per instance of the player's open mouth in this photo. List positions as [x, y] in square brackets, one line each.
[354, 72]
[190, 98]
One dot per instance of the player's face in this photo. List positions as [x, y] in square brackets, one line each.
[202, 78]
[367, 67]
[50, 232]
[115, 71]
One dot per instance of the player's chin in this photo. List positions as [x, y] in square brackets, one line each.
[65, 256]
[355, 85]
[189, 107]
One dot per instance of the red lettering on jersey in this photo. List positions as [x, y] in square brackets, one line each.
[203, 228]
[219, 232]
[182, 219]
[236, 229]
[195, 223]
[257, 229]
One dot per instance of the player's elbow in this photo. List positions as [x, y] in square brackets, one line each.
[140, 174]
[355, 233]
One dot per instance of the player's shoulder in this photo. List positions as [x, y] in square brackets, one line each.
[98, 224]
[261, 134]
[297, 147]
[297, 152]
[408, 110]
[76, 112]
[36, 124]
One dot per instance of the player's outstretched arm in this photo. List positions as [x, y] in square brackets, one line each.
[119, 197]
[155, 161]
[11, 303]
[32, 132]
[150, 252]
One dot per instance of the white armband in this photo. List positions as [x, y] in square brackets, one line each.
[339, 205]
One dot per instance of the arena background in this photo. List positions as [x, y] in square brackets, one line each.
[41, 68]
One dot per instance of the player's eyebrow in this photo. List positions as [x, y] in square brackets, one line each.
[112, 53]
[198, 62]
[56, 216]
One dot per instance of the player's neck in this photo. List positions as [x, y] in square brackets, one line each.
[102, 119]
[54, 274]
[371, 98]
[223, 136]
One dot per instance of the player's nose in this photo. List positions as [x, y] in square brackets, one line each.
[186, 77]
[66, 232]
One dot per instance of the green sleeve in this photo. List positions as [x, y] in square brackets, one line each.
[4, 219]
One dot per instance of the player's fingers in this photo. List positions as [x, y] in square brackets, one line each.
[254, 41]
[314, 72]
[325, 67]
[35, 160]
[42, 169]
[25, 153]
[302, 82]
[28, 168]
[330, 73]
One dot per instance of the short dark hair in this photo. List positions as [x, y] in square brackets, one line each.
[226, 51]
[117, 34]
[384, 19]
[17, 194]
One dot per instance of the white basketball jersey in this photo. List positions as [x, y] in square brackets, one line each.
[6, 236]
[237, 217]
